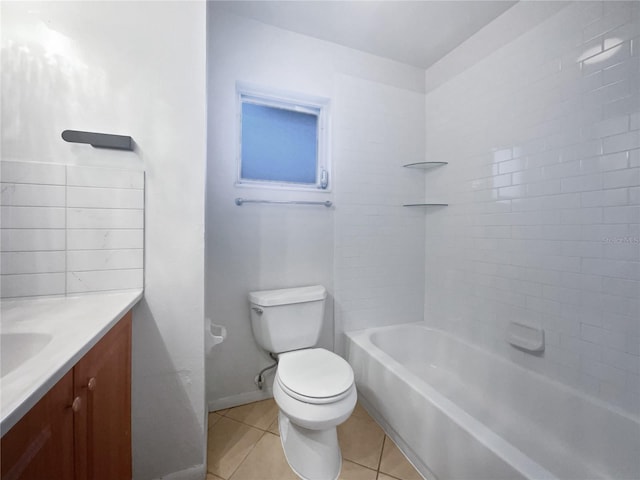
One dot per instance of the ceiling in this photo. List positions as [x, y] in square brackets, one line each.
[417, 33]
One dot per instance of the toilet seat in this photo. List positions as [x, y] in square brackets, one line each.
[314, 375]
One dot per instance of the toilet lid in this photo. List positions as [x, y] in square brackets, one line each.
[314, 373]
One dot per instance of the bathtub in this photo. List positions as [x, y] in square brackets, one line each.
[459, 412]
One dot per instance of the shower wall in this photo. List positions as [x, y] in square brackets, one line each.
[543, 181]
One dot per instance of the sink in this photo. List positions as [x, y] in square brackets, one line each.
[17, 348]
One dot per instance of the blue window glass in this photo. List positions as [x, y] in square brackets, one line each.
[278, 145]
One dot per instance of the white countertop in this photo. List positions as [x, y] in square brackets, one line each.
[72, 326]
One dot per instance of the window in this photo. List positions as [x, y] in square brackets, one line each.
[283, 140]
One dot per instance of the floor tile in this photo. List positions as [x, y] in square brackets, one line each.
[394, 463]
[382, 476]
[222, 412]
[229, 444]
[212, 420]
[361, 440]
[265, 462]
[257, 414]
[273, 428]
[211, 476]
[353, 471]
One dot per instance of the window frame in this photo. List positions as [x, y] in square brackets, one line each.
[296, 102]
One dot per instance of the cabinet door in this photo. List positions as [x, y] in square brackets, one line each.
[40, 445]
[102, 379]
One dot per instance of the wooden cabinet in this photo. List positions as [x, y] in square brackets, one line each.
[81, 429]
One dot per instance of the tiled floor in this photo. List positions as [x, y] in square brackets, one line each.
[244, 445]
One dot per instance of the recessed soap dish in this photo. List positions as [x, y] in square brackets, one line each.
[526, 337]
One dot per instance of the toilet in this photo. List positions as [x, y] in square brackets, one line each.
[313, 387]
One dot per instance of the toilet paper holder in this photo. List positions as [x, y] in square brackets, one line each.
[214, 334]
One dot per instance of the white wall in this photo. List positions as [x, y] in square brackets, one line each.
[261, 247]
[543, 185]
[133, 68]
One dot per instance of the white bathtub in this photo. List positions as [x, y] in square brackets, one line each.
[459, 412]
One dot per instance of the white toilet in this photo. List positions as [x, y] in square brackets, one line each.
[314, 388]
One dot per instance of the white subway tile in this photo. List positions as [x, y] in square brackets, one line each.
[104, 177]
[604, 163]
[583, 183]
[32, 217]
[35, 173]
[84, 260]
[622, 142]
[89, 197]
[552, 187]
[606, 128]
[104, 280]
[30, 285]
[32, 262]
[620, 287]
[104, 239]
[104, 218]
[629, 177]
[624, 106]
[29, 195]
[604, 198]
[611, 268]
[627, 214]
[25, 240]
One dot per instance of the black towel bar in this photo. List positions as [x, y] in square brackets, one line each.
[99, 140]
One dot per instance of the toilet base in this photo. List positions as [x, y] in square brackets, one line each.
[311, 454]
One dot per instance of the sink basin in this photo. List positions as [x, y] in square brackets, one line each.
[17, 348]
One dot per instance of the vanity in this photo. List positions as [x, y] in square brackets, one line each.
[65, 408]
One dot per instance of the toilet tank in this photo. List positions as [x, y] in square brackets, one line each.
[287, 319]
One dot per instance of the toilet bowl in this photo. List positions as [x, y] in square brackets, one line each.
[315, 392]
[313, 387]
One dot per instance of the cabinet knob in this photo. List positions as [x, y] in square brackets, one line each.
[92, 384]
[77, 404]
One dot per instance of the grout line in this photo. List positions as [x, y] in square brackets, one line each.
[384, 440]
[247, 455]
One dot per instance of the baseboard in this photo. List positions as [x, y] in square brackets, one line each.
[239, 399]
[199, 472]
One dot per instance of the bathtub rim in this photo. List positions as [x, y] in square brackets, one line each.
[364, 332]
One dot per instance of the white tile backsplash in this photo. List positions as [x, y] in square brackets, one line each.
[557, 243]
[30, 285]
[104, 280]
[103, 177]
[105, 218]
[93, 197]
[32, 217]
[30, 195]
[32, 262]
[104, 239]
[32, 173]
[85, 260]
[32, 239]
[81, 235]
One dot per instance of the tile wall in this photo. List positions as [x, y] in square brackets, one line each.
[379, 244]
[70, 229]
[543, 183]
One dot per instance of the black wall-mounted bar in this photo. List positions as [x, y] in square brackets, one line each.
[99, 140]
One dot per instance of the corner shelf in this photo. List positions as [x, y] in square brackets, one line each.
[425, 166]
